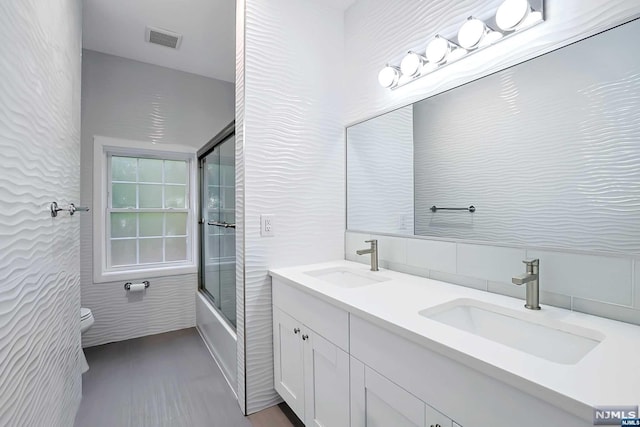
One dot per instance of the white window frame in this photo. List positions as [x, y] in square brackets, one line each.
[103, 148]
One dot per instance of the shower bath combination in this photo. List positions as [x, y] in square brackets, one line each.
[217, 223]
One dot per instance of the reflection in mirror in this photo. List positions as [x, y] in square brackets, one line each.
[548, 152]
[380, 174]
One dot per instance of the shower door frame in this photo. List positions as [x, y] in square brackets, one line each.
[207, 149]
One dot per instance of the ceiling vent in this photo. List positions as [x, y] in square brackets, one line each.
[163, 37]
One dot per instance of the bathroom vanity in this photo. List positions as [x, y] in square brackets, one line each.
[359, 348]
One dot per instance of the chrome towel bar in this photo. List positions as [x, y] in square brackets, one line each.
[436, 209]
[54, 209]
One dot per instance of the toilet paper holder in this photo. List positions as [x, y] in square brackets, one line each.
[127, 285]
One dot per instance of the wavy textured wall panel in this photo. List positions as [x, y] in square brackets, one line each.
[381, 31]
[169, 304]
[240, 194]
[127, 99]
[293, 160]
[380, 174]
[40, 379]
[547, 152]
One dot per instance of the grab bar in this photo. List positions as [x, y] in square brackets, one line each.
[221, 224]
[436, 209]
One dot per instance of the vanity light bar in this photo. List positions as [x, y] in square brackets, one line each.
[474, 34]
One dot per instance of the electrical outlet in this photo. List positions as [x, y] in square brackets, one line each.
[402, 222]
[266, 226]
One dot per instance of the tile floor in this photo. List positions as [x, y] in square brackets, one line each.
[166, 380]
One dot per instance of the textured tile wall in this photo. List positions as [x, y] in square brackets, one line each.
[292, 155]
[40, 383]
[127, 99]
[240, 194]
[169, 304]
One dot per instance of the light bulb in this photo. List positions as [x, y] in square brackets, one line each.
[532, 18]
[471, 33]
[512, 13]
[437, 50]
[411, 64]
[388, 76]
[475, 34]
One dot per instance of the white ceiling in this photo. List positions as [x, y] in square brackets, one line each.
[117, 27]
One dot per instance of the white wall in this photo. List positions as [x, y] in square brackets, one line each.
[377, 32]
[40, 382]
[291, 149]
[122, 98]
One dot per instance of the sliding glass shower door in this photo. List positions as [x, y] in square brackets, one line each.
[218, 266]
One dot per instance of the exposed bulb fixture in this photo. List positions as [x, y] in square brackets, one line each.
[475, 33]
[412, 64]
[388, 77]
[513, 14]
[439, 49]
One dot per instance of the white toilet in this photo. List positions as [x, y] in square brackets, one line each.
[86, 321]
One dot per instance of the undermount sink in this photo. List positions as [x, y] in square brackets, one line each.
[549, 339]
[346, 277]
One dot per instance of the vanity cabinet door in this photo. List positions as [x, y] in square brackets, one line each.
[378, 402]
[437, 419]
[326, 372]
[288, 349]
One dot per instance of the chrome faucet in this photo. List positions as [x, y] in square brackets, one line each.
[532, 280]
[373, 250]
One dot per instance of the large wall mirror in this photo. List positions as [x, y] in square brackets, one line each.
[547, 151]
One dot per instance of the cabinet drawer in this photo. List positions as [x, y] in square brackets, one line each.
[323, 318]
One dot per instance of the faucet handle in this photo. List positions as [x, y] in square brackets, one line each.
[531, 262]
[371, 241]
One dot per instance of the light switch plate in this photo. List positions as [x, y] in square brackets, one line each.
[266, 226]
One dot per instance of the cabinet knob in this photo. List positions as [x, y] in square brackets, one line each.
[305, 337]
[296, 330]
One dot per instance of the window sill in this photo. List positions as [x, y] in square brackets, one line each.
[129, 275]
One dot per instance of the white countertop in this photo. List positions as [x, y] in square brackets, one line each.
[608, 375]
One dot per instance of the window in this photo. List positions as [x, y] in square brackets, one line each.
[145, 211]
[148, 211]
